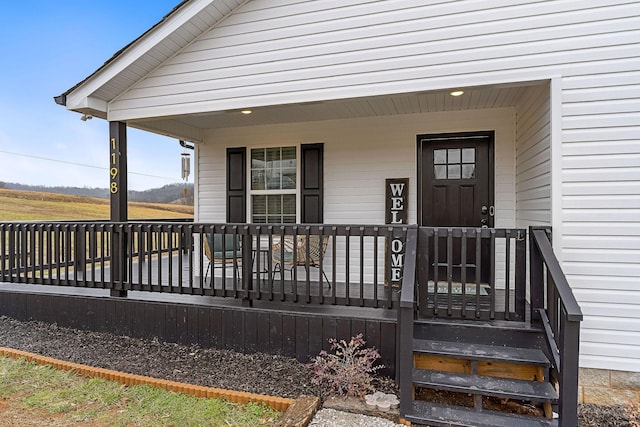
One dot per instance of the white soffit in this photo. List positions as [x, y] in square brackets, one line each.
[388, 105]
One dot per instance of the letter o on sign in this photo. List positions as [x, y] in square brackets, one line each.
[396, 245]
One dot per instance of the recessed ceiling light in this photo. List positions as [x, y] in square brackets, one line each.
[246, 111]
[456, 93]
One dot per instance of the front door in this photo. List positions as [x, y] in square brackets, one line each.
[456, 179]
[455, 189]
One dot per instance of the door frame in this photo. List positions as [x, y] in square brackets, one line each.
[491, 166]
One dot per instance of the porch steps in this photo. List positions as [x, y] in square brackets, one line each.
[487, 386]
[518, 374]
[436, 415]
[528, 356]
[489, 332]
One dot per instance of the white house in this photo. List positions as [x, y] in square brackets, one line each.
[546, 124]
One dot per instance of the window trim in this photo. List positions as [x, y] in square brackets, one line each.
[251, 192]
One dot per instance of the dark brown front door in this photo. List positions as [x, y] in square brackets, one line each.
[455, 187]
[455, 179]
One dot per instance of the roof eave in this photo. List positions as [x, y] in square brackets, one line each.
[63, 98]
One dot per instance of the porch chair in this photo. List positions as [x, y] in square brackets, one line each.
[317, 247]
[216, 252]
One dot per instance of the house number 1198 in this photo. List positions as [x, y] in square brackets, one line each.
[113, 171]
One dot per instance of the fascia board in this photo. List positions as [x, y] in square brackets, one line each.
[81, 104]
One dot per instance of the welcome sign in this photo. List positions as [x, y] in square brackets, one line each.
[397, 212]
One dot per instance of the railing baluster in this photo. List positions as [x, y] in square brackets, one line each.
[463, 271]
[361, 237]
[334, 283]
[282, 259]
[32, 252]
[181, 237]
[168, 233]
[521, 274]
[492, 276]
[347, 263]
[307, 265]
[436, 269]
[449, 269]
[376, 236]
[507, 277]
[270, 266]
[24, 253]
[478, 269]
[142, 256]
[3, 253]
[159, 246]
[322, 247]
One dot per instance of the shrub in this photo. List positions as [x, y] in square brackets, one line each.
[348, 370]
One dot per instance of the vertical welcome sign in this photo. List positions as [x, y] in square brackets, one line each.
[397, 210]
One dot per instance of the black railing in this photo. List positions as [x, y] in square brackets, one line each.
[560, 315]
[312, 264]
[475, 273]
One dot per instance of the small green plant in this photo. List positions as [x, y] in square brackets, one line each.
[348, 371]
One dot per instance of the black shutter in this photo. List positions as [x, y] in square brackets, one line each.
[237, 185]
[311, 193]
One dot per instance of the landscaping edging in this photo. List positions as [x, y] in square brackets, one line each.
[280, 404]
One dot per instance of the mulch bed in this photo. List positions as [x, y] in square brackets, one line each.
[255, 373]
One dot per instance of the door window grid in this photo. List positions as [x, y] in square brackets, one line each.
[454, 163]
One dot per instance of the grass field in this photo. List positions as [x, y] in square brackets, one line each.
[33, 395]
[34, 206]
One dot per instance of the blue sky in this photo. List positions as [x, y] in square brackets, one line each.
[47, 47]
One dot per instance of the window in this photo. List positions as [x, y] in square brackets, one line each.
[273, 185]
[454, 163]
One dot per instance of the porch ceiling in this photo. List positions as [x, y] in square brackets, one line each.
[496, 96]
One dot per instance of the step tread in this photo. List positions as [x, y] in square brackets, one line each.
[435, 414]
[487, 386]
[522, 326]
[518, 355]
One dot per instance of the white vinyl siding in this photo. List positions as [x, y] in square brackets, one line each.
[332, 49]
[601, 213]
[533, 158]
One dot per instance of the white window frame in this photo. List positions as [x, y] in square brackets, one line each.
[251, 192]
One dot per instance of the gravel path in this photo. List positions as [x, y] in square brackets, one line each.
[255, 373]
[333, 418]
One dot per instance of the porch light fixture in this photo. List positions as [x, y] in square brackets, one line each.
[246, 111]
[456, 93]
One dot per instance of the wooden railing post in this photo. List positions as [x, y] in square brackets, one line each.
[569, 355]
[406, 313]
[536, 277]
[118, 262]
[80, 248]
